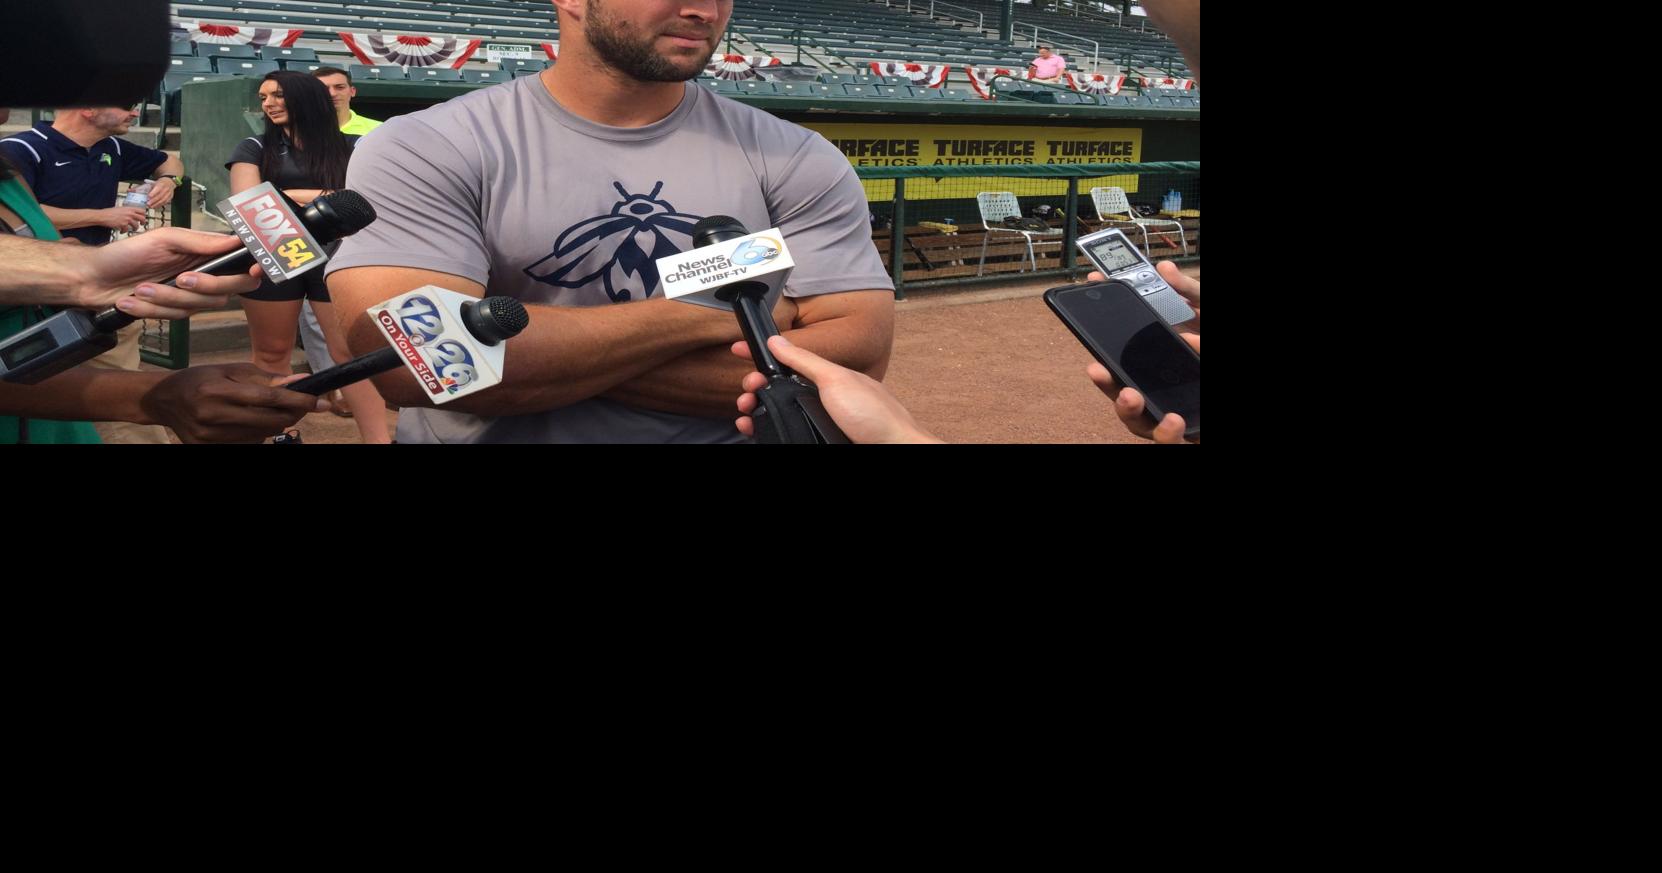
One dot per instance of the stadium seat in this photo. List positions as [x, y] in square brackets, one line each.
[435, 74]
[302, 66]
[1067, 98]
[244, 67]
[795, 89]
[516, 64]
[756, 88]
[227, 51]
[190, 65]
[281, 53]
[835, 78]
[727, 86]
[364, 71]
[522, 73]
[182, 48]
[485, 76]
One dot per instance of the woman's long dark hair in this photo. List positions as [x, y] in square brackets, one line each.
[325, 150]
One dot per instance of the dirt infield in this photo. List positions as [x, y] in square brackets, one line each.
[981, 366]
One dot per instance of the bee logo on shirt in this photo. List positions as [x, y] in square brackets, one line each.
[619, 250]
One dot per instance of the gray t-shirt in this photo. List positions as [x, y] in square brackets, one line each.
[506, 187]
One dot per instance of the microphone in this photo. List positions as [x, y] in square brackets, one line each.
[489, 321]
[788, 407]
[748, 297]
[284, 240]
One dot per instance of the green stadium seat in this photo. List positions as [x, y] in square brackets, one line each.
[190, 65]
[514, 65]
[757, 88]
[435, 74]
[283, 53]
[227, 51]
[244, 66]
[860, 90]
[182, 48]
[366, 72]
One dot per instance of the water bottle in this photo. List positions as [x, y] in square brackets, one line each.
[139, 197]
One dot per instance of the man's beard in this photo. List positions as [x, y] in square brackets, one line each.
[637, 59]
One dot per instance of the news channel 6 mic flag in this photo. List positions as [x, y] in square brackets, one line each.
[63, 53]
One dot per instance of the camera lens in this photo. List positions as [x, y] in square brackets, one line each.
[1093, 293]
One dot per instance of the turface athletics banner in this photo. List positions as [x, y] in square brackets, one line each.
[934, 145]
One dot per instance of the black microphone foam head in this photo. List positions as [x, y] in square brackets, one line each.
[717, 228]
[338, 214]
[495, 319]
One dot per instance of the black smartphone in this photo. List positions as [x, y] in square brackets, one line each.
[1143, 352]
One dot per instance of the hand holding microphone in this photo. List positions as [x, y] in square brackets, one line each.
[787, 407]
[488, 321]
[277, 238]
[860, 405]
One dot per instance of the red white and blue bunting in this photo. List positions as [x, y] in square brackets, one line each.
[409, 50]
[736, 67]
[1095, 83]
[981, 78]
[922, 75]
[1169, 82]
[232, 34]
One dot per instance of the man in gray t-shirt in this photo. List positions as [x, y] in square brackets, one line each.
[563, 190]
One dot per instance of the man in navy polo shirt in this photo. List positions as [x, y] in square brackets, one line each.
[75, 163]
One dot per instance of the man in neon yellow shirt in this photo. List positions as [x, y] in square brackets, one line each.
[339, 83]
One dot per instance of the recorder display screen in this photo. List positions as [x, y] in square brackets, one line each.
[1115, 254]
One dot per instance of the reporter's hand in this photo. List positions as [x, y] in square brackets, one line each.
[1129, 404]
[860, 405]
[107, 274]
[227, 403]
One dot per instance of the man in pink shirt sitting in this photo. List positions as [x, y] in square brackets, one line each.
[1047, 67]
